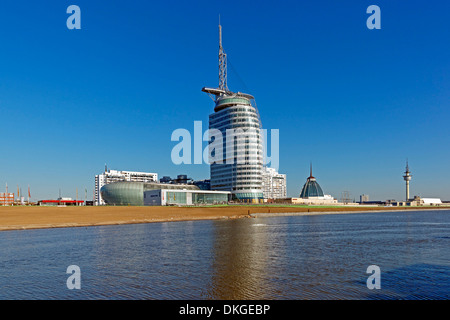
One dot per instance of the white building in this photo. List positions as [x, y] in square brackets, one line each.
[110, 176]
[164, 197]
[431, 201]
[274, 184]
[6, 199]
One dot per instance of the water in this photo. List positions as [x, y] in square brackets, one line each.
[301, 257]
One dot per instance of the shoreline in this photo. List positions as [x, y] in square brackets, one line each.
[29, 218]
[292, 214]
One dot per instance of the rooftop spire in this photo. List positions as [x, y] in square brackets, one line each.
[222, 63]
[220, 34]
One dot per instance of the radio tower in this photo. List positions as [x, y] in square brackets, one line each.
[407, 177]
[222, 63]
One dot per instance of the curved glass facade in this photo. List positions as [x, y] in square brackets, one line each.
[241, 169]
[126, 193]
[311, 189]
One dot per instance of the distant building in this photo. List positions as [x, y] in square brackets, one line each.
[110, 176]
[274, 184]
[418, 201]
[6, 199]
[363, 198]
[430, 201]
[61, 202]
[312, 193]
[325, 200]
[165, 179]
[311, 189]
[203, 184]
[181, 178]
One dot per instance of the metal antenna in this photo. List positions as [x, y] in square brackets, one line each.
[222, 63]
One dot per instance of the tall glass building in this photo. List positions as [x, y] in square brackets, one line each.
[237, 119]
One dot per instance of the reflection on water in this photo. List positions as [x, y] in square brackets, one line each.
[239, 269]
[302, 257]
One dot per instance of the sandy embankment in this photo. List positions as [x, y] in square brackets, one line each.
[19, 218]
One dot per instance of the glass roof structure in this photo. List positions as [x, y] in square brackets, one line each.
[311, 188]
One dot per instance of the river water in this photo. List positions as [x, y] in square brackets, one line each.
[298, 257]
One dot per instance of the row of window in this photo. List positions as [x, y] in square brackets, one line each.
[217, 168]
[230, 115]
[232, 109]
[238, 141]
[235, 177]
[236, 126]
[239, 173]
[243, 146]
[237, 184]
[228, 121]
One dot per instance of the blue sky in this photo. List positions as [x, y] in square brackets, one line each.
[355, 102]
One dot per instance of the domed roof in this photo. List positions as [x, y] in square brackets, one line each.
[311, 188]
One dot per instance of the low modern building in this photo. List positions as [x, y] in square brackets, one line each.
[127, 193]
[418, 201]
[163, 197]
[274, 184]
[111, 176]
[61, 202]
[325, 200]
[6, 199]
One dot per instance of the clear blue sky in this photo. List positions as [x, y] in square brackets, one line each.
[356, 102]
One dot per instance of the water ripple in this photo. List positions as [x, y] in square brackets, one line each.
[303, 257]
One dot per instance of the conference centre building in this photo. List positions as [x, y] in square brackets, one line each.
[126, 193]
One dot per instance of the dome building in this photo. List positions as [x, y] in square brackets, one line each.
[313, 194]
[311, 188]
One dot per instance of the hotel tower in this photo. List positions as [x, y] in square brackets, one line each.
[237, 118]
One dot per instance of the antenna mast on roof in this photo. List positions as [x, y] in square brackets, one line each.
[222, 63]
